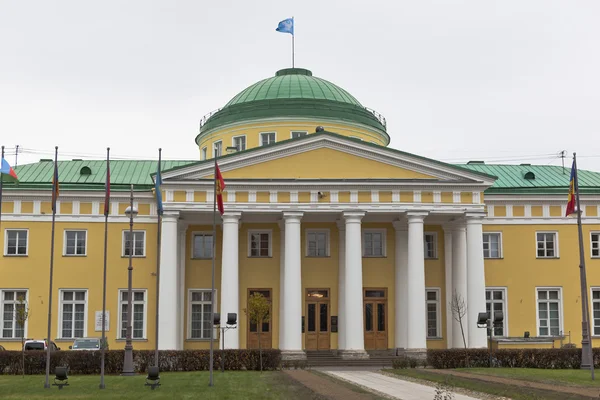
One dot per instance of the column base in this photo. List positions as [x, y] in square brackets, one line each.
[353, 354]
[420, 354]
[292, 355]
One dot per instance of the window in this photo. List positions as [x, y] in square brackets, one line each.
[73, 304]
[317, 243]
[547, 244]
[12, 301]
[260, 244]
[595, 237]
[430, 243]
[267, 138]
[203, 245]
[549, 312]
[199, 314]
[75, 243]
[138, 243]
[495, 300]
[16, 242]
[138, 323]
[239, 142]
[374, 243]
[596, 311]
[492, 245]
[297, 134]
[204, 154]
[218, 149]
[433, 313]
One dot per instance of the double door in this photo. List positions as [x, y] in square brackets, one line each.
[261, 330]
[317, 320]
[375, 319]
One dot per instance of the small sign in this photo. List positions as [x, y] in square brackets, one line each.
[99, 321]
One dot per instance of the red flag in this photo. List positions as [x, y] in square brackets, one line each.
[220, 187]
[107, 188]
[571, 200]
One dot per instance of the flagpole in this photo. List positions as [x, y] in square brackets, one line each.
[158, 253]
[54, 199]
[1, 179]
[106, 211]
[293, 35]
[212, 293]
[587, 358]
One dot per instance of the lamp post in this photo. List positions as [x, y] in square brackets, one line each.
[131, 212]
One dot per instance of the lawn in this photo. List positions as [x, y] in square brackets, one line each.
[175, 385]
[571, 377]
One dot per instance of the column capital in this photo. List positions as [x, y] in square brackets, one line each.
[400, 225]
[353, 215]
[170, 215]
[416, 216]
[231, 216]
[292, 215]
[474, 217]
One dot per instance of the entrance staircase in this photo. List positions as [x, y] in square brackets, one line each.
[330, 358]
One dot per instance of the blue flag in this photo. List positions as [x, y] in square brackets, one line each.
[286, 26]
[157, 183]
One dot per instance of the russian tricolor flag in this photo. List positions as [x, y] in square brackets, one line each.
[6, 169]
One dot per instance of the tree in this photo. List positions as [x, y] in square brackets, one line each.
[258, 311]
[459, 310]
[21, 317]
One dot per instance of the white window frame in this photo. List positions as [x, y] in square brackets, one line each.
[592, 244]
[592, 289]
[245, 142]
[435, 245]
[201, 233]
[504, 289]
[189, 312]
[383, 242]
[125, 232]
[17, 249]
[65, 254]
[14, 319]
[254, 231]
[204, 153]
[438, 312]
[560, 310]
[267, 133]
[556, 253]
[303, 133]
[120, 313]
[500, 252]
[214, 146]
[327, 242]
[60, 314]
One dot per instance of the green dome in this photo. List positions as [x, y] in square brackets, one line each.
[293, 92]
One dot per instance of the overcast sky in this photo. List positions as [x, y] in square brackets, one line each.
[505, 81]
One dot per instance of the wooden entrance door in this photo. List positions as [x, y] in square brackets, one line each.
[375, 319]
[265, 330]
[317, 320]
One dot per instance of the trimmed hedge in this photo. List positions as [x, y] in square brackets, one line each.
[88, 362]
[566, 358]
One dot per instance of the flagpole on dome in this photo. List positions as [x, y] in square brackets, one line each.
[55, 191]
[293, 44]
[287, 26]
[106, 211]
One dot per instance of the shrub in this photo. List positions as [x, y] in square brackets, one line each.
[413, 362]
[400, 363]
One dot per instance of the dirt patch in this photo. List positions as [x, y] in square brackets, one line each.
[327, 388]
[581, 391]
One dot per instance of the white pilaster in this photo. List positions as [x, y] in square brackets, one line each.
[416, 314]
[401, 285]
[459, 284]
[448, 280]
[230, 282]
[475, 280]
[341, 285]
[281, 284]
[292, 287]
[355, 337]
[168, 283]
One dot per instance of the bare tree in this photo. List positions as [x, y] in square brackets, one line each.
[21, 317]
[258, 312]
[459, 310]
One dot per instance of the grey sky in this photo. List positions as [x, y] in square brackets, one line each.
[512, 81]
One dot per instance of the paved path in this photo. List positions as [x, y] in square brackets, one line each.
[393, 387]
[325, 387]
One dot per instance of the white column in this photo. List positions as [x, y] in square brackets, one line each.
[181, 287]
[401, 284]
[281, 284]
[230, 281]
[353, 293]
[459, 284]
[448, 282]
[341, 285]
[417, 327]
[475, 280]
[292, 286]
[168, 283]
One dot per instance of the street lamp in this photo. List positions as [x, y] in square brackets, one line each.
[130, 212]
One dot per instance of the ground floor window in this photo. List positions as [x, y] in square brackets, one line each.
[13, 301]
[433, 313]
[138, 323]
[549, 311]
[200, 305]
[596, 311]
[72, 313]
[495, 300]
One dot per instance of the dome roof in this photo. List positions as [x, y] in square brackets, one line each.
[293, 92]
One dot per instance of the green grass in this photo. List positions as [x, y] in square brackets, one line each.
[497, 389]
[243, 385]
[569, 377]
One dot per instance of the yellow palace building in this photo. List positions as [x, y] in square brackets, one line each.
[358, 246]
